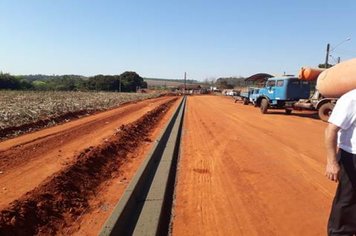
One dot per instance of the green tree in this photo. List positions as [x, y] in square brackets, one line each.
[25, 84]
[39, 85]
[323, 65]
[103, 82]
[8, 81]
[130, 81]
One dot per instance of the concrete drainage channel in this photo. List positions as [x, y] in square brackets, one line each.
[145, 207]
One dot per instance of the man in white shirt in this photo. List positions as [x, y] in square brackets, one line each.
[340, 142]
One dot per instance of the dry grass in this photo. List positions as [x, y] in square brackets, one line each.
[23, 107]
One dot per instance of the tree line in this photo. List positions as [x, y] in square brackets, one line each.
[230, 82]
[126, 82]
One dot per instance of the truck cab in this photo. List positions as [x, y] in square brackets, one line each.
[254, 95]
[282, 93]
[249, 96]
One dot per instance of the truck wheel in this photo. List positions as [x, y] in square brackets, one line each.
[325, 111]
[245, 101]
[288, 111]
[264, 106]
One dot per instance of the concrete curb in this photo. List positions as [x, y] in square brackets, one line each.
[145, 207]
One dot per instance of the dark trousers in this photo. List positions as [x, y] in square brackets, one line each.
[342, 219]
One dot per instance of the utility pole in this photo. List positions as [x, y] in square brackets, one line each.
[185, 81]
[328, 50]
[327, 55]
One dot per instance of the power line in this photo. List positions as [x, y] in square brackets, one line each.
[335, 60]
[346, 52]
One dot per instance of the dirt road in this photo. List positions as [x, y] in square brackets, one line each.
[244, 173]
[28, 160]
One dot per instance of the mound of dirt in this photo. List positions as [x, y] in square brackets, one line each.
[64, 197]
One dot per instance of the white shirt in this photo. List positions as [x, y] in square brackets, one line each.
[344, 116]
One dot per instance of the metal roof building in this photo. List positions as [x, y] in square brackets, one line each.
[259, 78]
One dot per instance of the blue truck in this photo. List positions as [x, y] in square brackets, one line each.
[249, 96]
[278, 93]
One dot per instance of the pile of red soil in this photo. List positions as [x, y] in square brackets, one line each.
[64, 197]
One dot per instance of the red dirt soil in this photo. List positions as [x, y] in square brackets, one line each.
[245, 173]
[64, 197]
[38, 155]
[103, 204]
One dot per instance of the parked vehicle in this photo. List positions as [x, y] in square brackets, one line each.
[250, 96]
[317, 102]
[292, 93]
[231, 93]
[281, 93]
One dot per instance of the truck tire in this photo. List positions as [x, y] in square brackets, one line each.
[245, 101]
[325, 111]
[288, 111]
[264, 106]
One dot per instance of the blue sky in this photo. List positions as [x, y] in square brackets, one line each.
[163, 39]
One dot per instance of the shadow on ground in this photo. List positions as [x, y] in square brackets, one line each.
[313, 115]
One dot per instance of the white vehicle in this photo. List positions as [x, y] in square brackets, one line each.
[231, 93]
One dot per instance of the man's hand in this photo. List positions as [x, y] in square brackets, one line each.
[332, 166]
[332, 171]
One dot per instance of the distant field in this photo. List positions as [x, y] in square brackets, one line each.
[155, 83]
[22, 107]
[165, 83]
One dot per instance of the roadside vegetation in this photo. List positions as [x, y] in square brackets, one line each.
[126, 82]
[22, 107]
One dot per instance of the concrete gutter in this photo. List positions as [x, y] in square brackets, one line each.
[145, 207]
